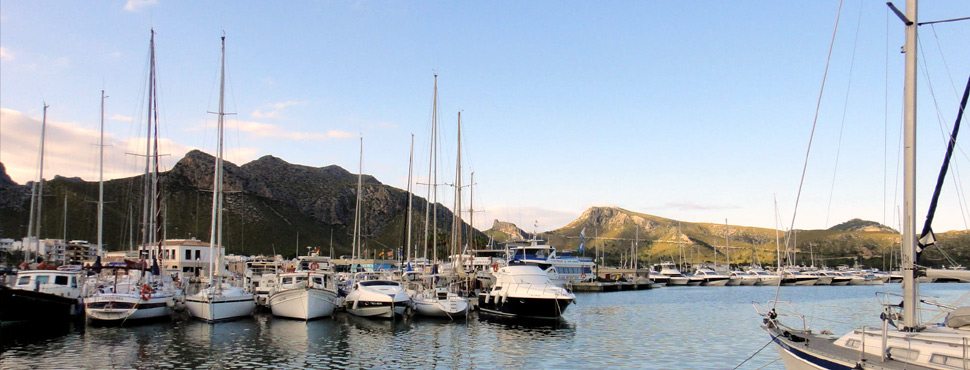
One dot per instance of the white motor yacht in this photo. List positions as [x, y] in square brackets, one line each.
[372, 296]
[710, 277]
[744, 278]
[525, 291]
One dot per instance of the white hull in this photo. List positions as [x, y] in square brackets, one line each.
[303, 304]
[385, 312]
[451, 308]
[715, 282]
[122, 307]
[678, 281]
[220, 308]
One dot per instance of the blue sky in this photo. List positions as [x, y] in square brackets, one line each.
[697, 111]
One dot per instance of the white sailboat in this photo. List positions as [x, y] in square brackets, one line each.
[134, 291]
[903, 341]
[219, 300]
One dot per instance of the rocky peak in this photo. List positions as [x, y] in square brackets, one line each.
[509, 228]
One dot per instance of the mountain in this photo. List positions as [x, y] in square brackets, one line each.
[858, 225]
[503, 232]
[271, 207]
[612, 230]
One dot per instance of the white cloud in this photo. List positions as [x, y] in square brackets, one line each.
[265, 130]
[259, 114]
[71, 150]
[5, 54]
[136, 5]
[275, 110]
[118, 117]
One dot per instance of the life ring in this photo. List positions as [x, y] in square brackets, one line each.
[582, 276]
[146, 292]
[314, 266]
[495, 266]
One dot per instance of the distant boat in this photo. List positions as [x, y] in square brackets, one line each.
[710, 277]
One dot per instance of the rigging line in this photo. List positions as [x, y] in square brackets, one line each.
[845, 105]
[808, 150]
[964, 208]
[772, 340]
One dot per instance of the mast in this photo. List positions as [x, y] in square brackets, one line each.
[431, 167]
[471, 212]
[407, 239]
[456, 239]
[37, 195]
[147, 203]
[727, 243]
[215, 236]
[101, 182]
[910, 290]
[355, 242]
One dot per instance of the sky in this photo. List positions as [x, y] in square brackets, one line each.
[697, 111]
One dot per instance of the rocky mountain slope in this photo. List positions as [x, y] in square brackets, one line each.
[271, 206]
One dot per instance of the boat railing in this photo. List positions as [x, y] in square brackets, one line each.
[773, 310]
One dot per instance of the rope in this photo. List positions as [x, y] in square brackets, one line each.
[757, 352]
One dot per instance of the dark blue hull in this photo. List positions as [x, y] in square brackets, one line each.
[538, 308]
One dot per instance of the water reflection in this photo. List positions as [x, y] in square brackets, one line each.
[691, 327]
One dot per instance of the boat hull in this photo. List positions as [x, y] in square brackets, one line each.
[303, 304]
[27, 305]
[538, 308]
[122, 307]
[451, 308]
[383, 310]
[220, 308]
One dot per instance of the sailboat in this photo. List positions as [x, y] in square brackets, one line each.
[903, 342]
[435, 301]
[133, 290]
[219, 300]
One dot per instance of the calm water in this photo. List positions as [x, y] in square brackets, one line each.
[682, 328]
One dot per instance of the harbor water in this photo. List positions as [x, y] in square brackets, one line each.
[666, 328]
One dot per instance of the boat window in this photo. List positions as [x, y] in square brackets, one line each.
[24, 280]
[497, 288]
[318, 280]
[73, 282]
[903, 353]
[949, 361]
[60, 280]
[43, 279]
[287, 280]
[300, 279]
[378, 282]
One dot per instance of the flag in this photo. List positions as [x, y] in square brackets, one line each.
[582, 240]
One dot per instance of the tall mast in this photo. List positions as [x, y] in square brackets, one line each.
[215, 236]
[910, 290]
[434, 132]
[101, 182]
[355, 243]
[407, 239]
[471, 212]
[37, 192]
[147, 204]
[456, 239]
